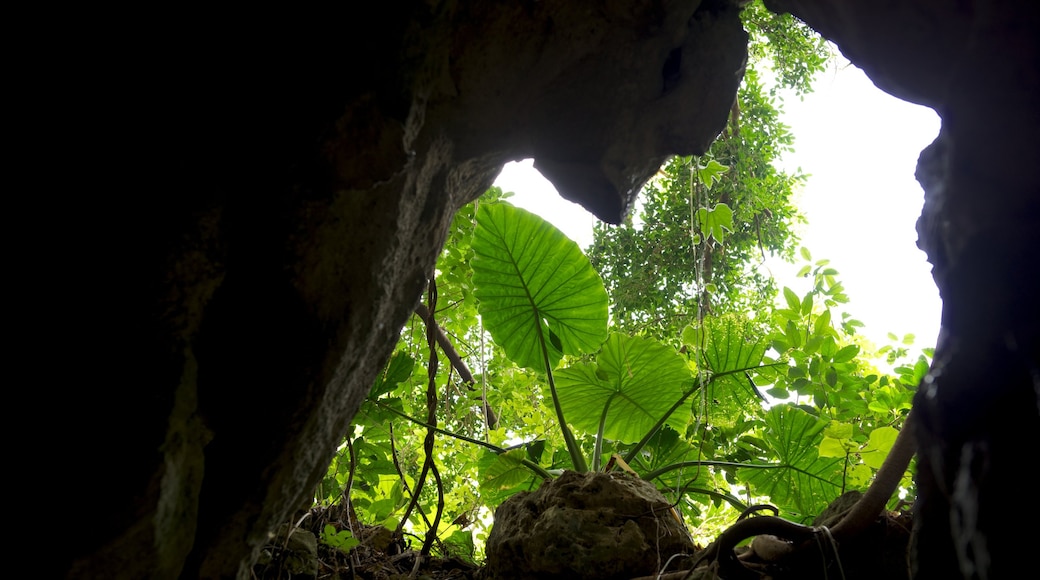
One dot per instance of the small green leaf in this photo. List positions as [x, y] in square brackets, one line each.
[535, 450]
[859, 476]
[878, 407]
[398, 369]
[692, 335]
[792, 299]
[823, 322]
[778, 393]
[709, 174]
[807, 304]
[813, 344]
[794, 335]
[839, 430]
[846, 354]
[920, 370]
[502, 472]
[716, 222]
[805, 254]
[342, 540]
[460, 542]
[880, 443]
[831, 447]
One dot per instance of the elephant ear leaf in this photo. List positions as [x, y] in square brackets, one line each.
[801, 481]
[633, 385]
[537, 291]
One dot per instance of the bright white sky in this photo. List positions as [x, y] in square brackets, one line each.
[860, 146]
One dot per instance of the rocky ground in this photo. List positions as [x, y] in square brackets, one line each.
[590, 526]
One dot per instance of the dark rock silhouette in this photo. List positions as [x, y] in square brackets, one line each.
[272, 190]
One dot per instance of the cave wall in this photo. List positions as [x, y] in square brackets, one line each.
[978, 65]
[275, 188]
[270, 200]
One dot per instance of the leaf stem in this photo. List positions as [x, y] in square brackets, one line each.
[598, 449]
[660, 422]
[577, 459]
[674, 466]
[537, 469]
[572, 444]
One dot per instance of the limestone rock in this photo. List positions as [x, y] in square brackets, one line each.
[587, 526]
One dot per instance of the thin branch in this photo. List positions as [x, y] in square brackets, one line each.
[456, 362]
[445, 344]
[352, 519]
[731, 500]
[431, 407]
[431, 533]
[350, 478]
[400, 473]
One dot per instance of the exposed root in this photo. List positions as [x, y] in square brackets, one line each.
[776, 540]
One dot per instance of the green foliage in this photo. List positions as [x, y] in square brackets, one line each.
[342, 540]
[793, 52]
[703, 376]
[798, 478]
[631, 386]
[715, 222]
[503, 474]
[698, 231]
[538, 294]
[710, 173]
[699, 228]
[633, 397]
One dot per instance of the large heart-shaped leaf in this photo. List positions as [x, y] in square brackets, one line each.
[536, 288]
[801, 482]
[636, 381]
[732, 353]
[733, 345]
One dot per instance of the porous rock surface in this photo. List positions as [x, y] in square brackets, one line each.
[586, 526]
